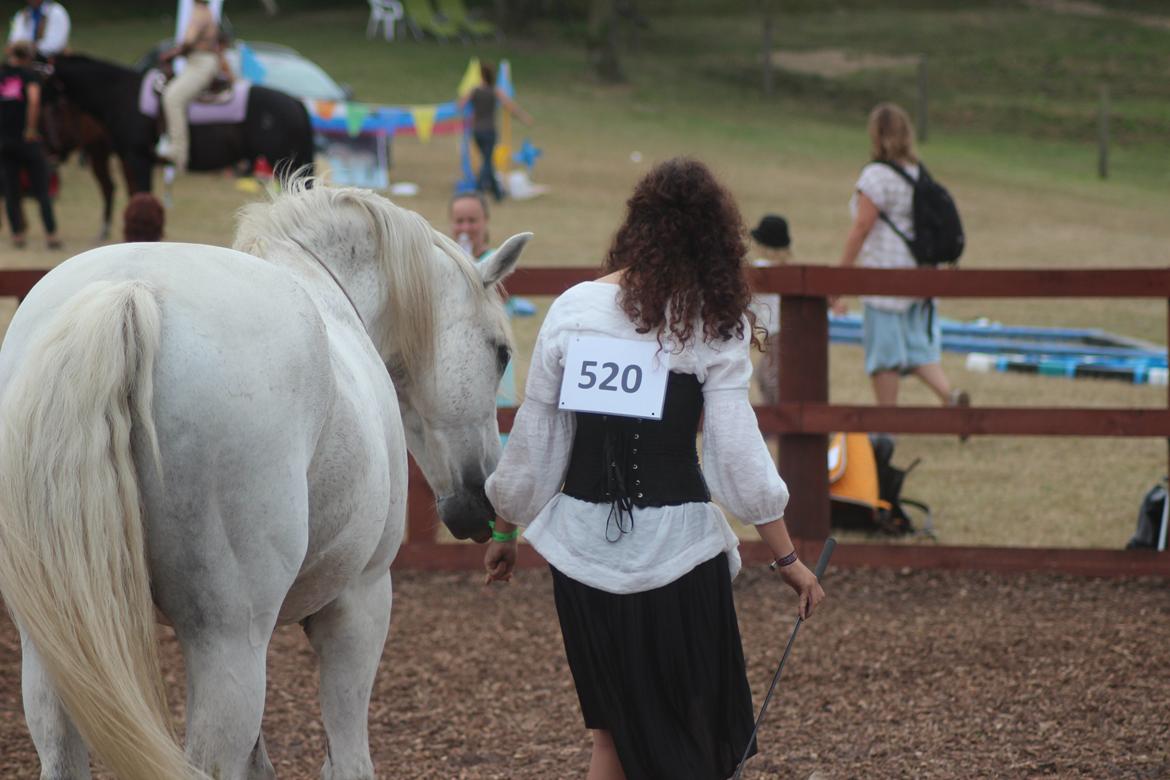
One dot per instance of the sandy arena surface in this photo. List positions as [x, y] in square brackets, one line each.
[902, 674]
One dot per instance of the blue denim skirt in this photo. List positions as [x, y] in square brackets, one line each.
[901, 341]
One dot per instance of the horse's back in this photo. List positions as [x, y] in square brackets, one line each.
[230, 302]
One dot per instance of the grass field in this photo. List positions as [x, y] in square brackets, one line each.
[1008, 141]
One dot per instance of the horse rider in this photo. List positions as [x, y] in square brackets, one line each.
[200, 45]
[43, 22]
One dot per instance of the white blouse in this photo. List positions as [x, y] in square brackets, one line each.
[883, 248]
[665, 542]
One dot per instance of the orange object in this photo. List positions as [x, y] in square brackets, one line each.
[853, 476]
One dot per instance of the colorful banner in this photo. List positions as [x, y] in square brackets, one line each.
[421, 121]
[424, 121]
[355, 117]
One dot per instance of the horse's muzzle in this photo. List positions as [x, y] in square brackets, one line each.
[466, 513]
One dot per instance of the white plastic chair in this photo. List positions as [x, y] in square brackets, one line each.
[386, 13]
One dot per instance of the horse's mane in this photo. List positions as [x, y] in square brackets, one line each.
[303, 208]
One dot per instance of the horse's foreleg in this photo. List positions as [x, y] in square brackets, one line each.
[99, 163]
[348, 636]
[59, 746]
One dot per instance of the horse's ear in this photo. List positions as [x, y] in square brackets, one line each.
[503, 261]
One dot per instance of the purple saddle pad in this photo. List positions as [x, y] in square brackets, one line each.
[229, 112]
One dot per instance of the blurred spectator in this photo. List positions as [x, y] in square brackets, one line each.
[143, 219]
[469, 223]
[773, 246]
[901, 335]
[485, 99]
[45, 24]
[20, 143]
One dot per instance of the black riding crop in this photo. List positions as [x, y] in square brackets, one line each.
[822, 564]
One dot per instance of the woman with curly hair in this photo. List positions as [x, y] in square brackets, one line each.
[641, 559]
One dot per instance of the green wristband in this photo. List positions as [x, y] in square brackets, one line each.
[511, 536]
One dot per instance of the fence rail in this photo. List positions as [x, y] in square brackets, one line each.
[803, 417]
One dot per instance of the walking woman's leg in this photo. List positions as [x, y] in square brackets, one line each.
[933, 376]
[38, 178]
[885, 387]
[11, 177]
[487, 174]
[484, 145]
[604, 763]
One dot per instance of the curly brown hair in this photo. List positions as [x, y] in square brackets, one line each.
[682, 251]
[143, 218]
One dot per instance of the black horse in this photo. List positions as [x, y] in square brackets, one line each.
[276, 126]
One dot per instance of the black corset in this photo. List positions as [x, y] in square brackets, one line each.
[628, 461]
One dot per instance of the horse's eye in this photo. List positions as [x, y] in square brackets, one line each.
[503, 356]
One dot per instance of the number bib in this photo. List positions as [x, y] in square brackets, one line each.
[608, 375]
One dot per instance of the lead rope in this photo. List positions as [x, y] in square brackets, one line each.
[332, 276]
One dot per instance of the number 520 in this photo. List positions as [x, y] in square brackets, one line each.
[630, 382]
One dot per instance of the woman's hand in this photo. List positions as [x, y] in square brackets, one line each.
[499, 561]
[807, 587]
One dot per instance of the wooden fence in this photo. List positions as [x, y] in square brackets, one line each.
[804, 417]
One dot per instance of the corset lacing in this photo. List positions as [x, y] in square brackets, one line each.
[622, 506]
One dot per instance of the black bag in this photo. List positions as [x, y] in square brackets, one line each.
[888, 514]
[938, 231]
[1151, 516]
[895, 520]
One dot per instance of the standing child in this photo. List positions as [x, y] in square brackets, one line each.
[642, 559]
[773, 247]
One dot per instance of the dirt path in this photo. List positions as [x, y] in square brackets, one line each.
[1088, 8]
[902, 675]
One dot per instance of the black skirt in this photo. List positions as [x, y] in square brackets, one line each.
[662, 671]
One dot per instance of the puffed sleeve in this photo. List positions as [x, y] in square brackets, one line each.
[874, 183]
[536, 457]
[736, 462]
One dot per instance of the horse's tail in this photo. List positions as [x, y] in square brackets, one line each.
[72, 551]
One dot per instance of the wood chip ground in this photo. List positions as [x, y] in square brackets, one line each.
[901, 675]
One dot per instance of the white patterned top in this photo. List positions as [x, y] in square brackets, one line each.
[883, 248]
[665, 542]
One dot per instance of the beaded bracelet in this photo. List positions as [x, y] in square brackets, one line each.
[497, 536]
[780, 563]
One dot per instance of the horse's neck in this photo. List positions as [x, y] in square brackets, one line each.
[98, 87]
[355, 288]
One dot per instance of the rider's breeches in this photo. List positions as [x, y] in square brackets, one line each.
[196, 76]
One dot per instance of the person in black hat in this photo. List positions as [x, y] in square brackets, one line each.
[773, 246]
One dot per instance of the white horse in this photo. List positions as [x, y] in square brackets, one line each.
[222, 437]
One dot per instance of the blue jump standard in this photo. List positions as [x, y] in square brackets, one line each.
[1069, 352]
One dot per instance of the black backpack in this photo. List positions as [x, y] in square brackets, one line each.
[938, 231]
[888, 515]
[895, 520]
[1151, 516]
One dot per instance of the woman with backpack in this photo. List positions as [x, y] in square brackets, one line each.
[901, 335]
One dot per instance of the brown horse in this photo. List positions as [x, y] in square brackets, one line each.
[65, 128]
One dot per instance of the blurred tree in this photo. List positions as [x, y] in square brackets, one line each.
[601, 45]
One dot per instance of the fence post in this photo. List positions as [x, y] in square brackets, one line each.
[422, 523]
[1103, 134]
[768, 51]
[804, 377]
[923, 100]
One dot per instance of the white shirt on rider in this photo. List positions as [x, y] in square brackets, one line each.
[54, 37]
